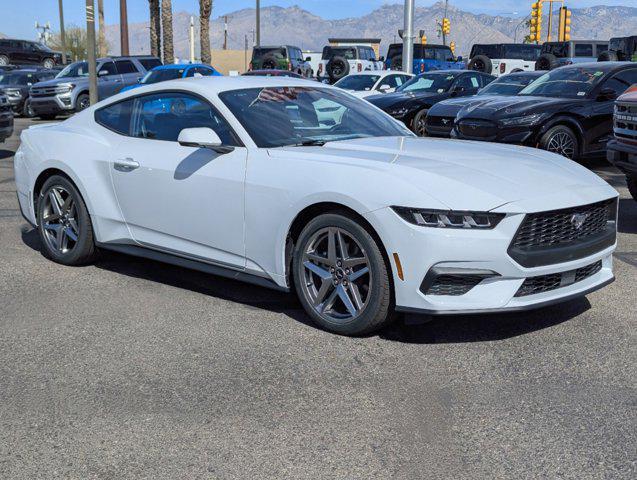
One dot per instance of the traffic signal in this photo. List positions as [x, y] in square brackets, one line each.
[564, 33]
[452, 46]
[536, 22]
[446, 26]
[423, 39]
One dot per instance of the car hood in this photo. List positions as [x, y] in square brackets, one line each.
[57, 81]
[462, 175]
[514, 106]
[387, 100]
[450, 107]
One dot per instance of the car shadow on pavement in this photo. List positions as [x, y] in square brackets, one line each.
[6, 154]
[420, 329]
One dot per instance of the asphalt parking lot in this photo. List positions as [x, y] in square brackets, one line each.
[135, 369]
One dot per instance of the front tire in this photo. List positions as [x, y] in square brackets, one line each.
[48, 63]
[419, 124]
[631, 181]
[64, 224]
[83, 101]
[341, 277]
[27, 109]
[561, 140]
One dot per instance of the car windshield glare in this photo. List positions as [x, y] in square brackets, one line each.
[431, 82]
[79, 69]
[565, 82]
[357, 82]
[506, 86]
[306, 115]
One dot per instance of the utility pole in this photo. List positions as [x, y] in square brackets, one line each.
[123, 27]
[444, 33]
[258, 40]
[225, 32]
[408, 37]
[90, 50]
[191, 34]
[62, 34]
[245, 52]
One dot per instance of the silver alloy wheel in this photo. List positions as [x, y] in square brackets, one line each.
[84, 102]
[336, 274]
[48, 63]
[561, 143]
[420, 126]
[59, 220]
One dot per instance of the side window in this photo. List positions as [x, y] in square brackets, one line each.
[390, 80]
[125, 66]
[601, 47]
[109, 67]
[162, 116]
[205, 72]
[485, 80]
[621, 80]
[467, 82]
[583, 49]
[116, 117]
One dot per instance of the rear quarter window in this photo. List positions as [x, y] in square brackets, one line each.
[150, 63]
[125, 66]
[116, 117]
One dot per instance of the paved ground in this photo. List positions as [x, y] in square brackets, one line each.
[135, 369]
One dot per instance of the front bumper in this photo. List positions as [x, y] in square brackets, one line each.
[54, 104]
[623, 155]
[487, 131]
[421, 249]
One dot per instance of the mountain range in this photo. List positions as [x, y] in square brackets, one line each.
[296, 26]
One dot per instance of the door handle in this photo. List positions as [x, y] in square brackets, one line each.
[125, 164]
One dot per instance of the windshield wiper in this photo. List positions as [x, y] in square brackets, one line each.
[309, 142]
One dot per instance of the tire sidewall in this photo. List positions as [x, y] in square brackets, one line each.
[369, 319]
[420, 115]
[85, 240]
[48, 61]
[81, 97]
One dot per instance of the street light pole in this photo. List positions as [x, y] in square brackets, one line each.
[90, 50]
[408, 37]
[258, 40]
[123, 27]
[62, 34]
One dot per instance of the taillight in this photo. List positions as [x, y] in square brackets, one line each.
[360, 67]
[422, 67]
[503, 67]
[632, 88]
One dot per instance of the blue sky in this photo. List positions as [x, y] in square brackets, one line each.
[19, 18]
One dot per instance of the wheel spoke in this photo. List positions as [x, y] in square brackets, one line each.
[358, 273]
[354, 261]
[331, 245]
[60, 239]
[356, 295]
[51, 218]
[342, 294]
[318, 259]
[327, 304]
[68, 231]
[321, 272]
[74, 226]
[342, 247]
[56, 201]
[322, 292]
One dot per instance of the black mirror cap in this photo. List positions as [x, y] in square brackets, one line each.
[607, 94]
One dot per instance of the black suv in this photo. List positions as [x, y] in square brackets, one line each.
[620, 48]
[15, 84]
[25, 52]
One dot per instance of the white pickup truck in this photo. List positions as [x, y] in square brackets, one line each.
[502, 58]
[337, 62]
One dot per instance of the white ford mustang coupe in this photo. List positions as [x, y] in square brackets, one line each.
[296, 185]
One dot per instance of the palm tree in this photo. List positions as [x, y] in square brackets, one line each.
[155, 28]
[167, 30]
[101, 36]
[205, 9]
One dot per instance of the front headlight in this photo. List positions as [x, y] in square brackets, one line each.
[13, 92]
[449, 218]
[522, 121]
[65, 87]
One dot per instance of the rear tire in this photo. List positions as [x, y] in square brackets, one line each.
[347, 291]
[64, 224]
[48, 63]
[607, 56]
[83, 102]
[418, 124]
[562, 140]
[631, 181]
[27, 109]
[546, 61]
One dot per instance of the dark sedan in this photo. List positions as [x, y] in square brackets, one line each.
[568, 110]
[440, 118]
[16, 83]
[412, 100]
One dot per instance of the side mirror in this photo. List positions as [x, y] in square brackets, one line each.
[606, 94]
[202, 137]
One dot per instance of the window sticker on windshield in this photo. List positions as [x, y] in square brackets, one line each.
[598, 73]
[474, 82]
[581, 94]
[449, 77]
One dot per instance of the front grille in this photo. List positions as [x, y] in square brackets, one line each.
[48, 91]
[475, 128]
[553, 281]
[559, 227]
[625, 121]
[439, 125]
[453, 284]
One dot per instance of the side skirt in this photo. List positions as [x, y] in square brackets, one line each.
[151, 254]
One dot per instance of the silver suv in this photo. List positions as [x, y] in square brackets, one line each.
[69, 90]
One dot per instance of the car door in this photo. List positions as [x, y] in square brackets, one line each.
[19, 52]
[599, 126]
[179, 199]
[109, 82]
[129, 72]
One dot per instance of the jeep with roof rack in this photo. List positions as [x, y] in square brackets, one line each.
[502, 58]
[338, 61]
[558, 54]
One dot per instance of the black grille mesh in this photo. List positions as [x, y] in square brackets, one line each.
[555, 228]
[453, 284]
[545, 283]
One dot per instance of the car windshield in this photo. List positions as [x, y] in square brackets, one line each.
[357, 82]
[508, 85]
[162, 75]
[573, 82]
[78, 69]
[346, 52]
[428, 82]
[41, 46]
[307, 116]
[259, 53]
[15, 78]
